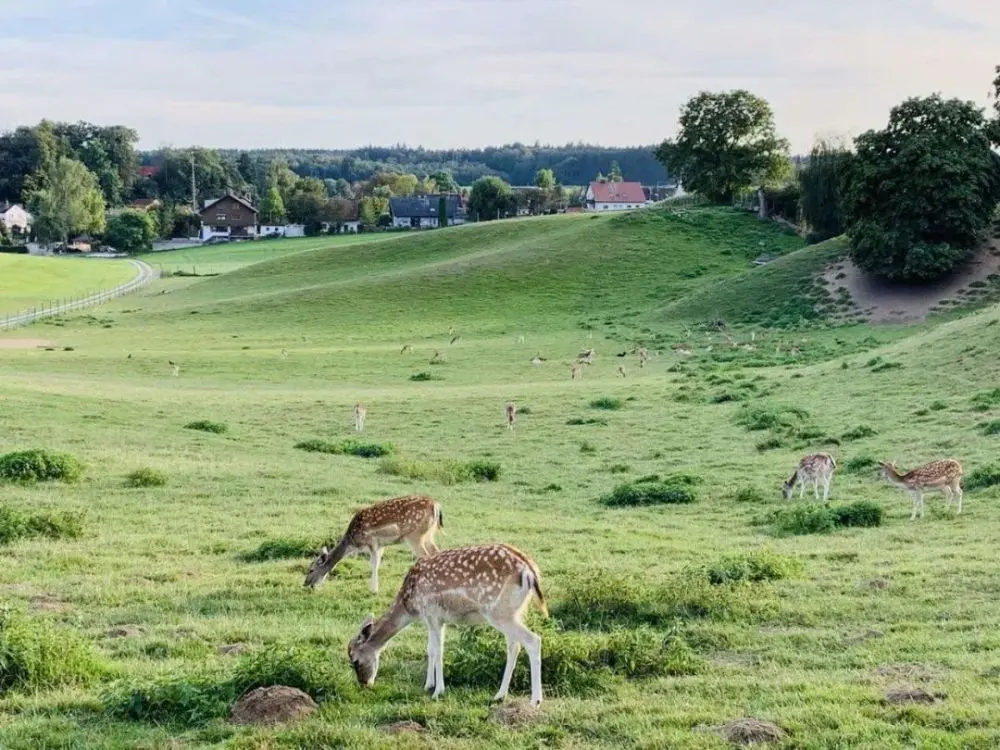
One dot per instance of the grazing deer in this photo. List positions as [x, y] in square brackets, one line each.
[587, 356]
[360, 412]
[576, 371]
[406, 349]
[510, 409]
[413, 519]
[816, 468]
[622, 372]
[943, 476]
[643, 355]
[284, 354]
[176, 368]
[491, 583]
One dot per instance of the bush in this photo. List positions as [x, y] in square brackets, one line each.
[992, 428]
[348, 447]
[822, 519]
[39, 465]
[756, 566]
[576, 421]
[860, 464]
[446, 472]
[146, 477]
[984, 476]
[36, 654]
[758, 417]
[484, 471]
[588, 447]
[15, 525]
[607, 403]
[205, 425]
[860, 513]
[649, 493]
[986, 400]
[422, 377]
[859, 433]
[280, 549]
[750, 495]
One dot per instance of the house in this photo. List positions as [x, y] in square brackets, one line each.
[229, 217]
[349, 217]
[421, 211]
[148, 172]
[614, 196]
[281, 230]
[15, 218]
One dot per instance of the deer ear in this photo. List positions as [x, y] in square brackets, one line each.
[366, 627]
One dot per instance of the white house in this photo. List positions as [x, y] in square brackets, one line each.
[15, 218]
[281, 230]
[421, 211]
[614, 196]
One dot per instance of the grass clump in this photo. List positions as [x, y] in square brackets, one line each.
[992, 428]
[750, 495]
[983, 477]
[822, 519]
[349, 447]
[864, 513]
[36, 654]
[39, 465]
[15, 525]
[860, 464]
[484, 471]
[859, 433]
[758, 417]
[577, 421]
[607, 403]
[756, 566]
[671, 491]
[986, 400]
[205, 425]
[146, 477]
[423, 377]
[280, 549]
[446, 472]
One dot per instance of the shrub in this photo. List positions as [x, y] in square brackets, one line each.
[802, 519]
[280, 549]
[648, 493]
[586, 447]
[772, 443]
[858, 513]
[938, 406]
[860, 464]
[39, 465]
[992, 428]
[607, 403]
[859, 433]
[146, 477]
[984, 476]
[15, 525]
[756, 417]
[422, 377]
[348, 447]
[446, 472]
[986, 400]
[37, 654]
[484, 471]
[750, 495]
[755, 567]
[576, 421]
[204, 425]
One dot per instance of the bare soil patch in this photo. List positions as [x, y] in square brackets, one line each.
[880, 301]
[272, 705]
[520, 714]
[897, 696]
[24, 343]
[47, 603]
[404, 727]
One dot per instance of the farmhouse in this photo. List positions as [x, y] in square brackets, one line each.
[15, 218]
[348, 217]
[614, 196]
[421, 211]
[229, 217]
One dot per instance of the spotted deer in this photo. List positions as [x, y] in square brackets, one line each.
[621, 371]
[510, 409]
[576, 371]
[815, 468]
[643, 354]
[360, 412]
[943, 476]
[413, 519]
[488, 584]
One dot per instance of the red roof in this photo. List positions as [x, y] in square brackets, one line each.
[148, 171]
[618, 192]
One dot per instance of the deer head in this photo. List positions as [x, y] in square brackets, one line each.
[788, 487]
[325, 562]
[363, 655]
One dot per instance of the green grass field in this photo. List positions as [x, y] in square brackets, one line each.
[26, 281]
[668, 621]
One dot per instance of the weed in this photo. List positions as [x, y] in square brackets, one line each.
[37, 654]
[618, 469]
[423, 377]
[348, 447]
[859, 433]
[755, 567]
[204, 425]
[607, 403]
[648, 493]
[280, 549]
[39, 465]
[146, 477]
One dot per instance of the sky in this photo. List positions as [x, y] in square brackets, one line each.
[469, 73]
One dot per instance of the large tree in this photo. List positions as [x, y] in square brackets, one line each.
[71, 202]
[545, 179]
[213, 175]
[615, 175]
[726, 144]
[26, 156]
[272, 208]
[917, 194]
[306, 202]
[820, 181]
[131, 231]
[491, 198]
[444, 181]
[108, 152]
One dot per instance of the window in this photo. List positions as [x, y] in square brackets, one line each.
[220, 217]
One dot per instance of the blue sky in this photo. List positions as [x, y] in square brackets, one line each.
[343, 73]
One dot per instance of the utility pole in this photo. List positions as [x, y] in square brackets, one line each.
[194, 187]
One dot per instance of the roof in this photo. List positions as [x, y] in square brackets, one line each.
[144, 203]
[422, 206]
[148, 171]
[5, 206]
[618, 192]
[242, 201]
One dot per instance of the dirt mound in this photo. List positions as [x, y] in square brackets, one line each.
[514, 714]
[403, 727]
[751, 731]
[272, 705]
[910, 695]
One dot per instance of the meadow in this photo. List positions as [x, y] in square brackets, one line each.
[28, 281]
[141, 605]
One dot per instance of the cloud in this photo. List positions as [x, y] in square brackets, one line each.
[333, 73]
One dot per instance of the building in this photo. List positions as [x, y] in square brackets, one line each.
[614, 196]
[349, 217]
[421, 211]
[229, 217]
[15, 218]
[281, 230]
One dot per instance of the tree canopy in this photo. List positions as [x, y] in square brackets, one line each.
[727, 144]
[820, 180]
[70, 202]
[917, 194]
[131, 231]
[491, 198]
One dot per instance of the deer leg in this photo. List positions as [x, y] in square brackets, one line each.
[533, 645]
[916, 501]
[439, 666]
[431, 658]
[376, 561]
[959, 493]
[948, 495]
[513, 649]
[815, 488]
[826, 490]
[802, 490]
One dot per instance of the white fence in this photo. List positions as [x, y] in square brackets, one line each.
[86, 299]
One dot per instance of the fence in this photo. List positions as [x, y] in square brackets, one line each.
[84, 300]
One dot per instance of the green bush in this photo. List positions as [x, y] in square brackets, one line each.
[588, 447]
[986, 400]
[860, 464]
[484, 471]
[607, 403]
[858, 513]
[984, 476]
[146, 477]
[446, 472]
[755, 567]
[648, 493]
[750, 495]
[280, 549]
[348, 447]
[39, 465]
[992, 428]
[422, 377]
[204, 425]
[36, 654]
[757, 417]
[822, 519]
[15, 525]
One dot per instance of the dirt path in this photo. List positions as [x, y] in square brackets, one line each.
[879, 301]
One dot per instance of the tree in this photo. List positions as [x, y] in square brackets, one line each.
[616, 173]
[246, 167]
[4, 234]
[442, 211]
[821, 180]
[444, 181]
[282, 177]
[131, 231]
[272, 208]
[108, 152]
[546, 179]
[306, 201]
[491, 198]
[726, 145]
[917, 195]
[213, 175]
[72, 202]
[26, 156]
[371, 208]
[404, 184]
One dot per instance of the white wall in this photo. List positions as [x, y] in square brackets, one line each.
[16, 216]
[614, 206]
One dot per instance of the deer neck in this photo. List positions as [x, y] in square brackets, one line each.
[339, 553]
[894, 476]
[388, 626]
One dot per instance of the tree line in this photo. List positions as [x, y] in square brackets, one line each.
[914, 199]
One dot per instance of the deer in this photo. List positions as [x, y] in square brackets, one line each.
[360, 412]
[413, 519]
[815, 468]
[284, 353]
[587, 356]
[520, 339]
[176, 368]
[944, 476]
[643, 355]
[407, 348]
[576, 371]
[490, 583]
[510, 409]
[622, 372]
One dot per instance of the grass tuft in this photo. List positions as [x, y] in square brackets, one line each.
[607, 403]
[750, 495]
[755, 566]
[36, 654]
[39, 465]
[280, 549]
[349, 447]
[982, 477]
[860, 464]
[146, 477]
[668, 492]
[205, 425]
[822, 519]
[15, 525]
[446, 472]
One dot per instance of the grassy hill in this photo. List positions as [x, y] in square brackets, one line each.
[26, 280]
[668, 621]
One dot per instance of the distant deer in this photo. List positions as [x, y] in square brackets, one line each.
[622, 372]
[454, 339]
[360, 412]
[943, 476]
[175, 367]
[437, 359]
[643, 355]
[576, 371]
[413, 519]
[816, 468]
[406, 349]
[284, 354]
[520, 339]
[510, 409]
[587, 356]
[491, 583]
